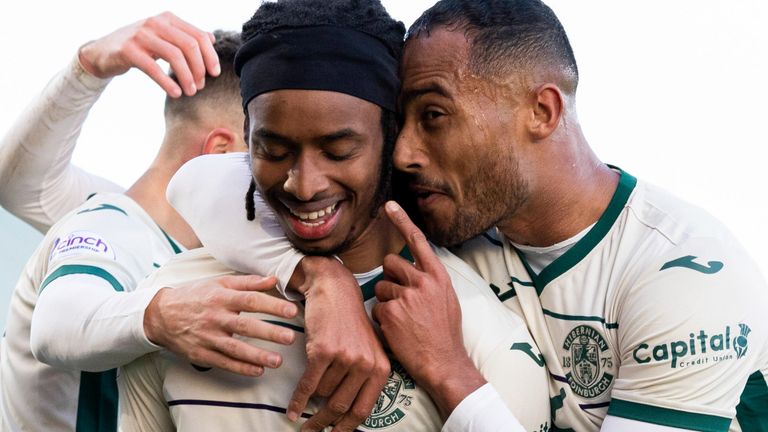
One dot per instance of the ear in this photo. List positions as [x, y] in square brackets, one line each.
[220, 140]
[547, 111]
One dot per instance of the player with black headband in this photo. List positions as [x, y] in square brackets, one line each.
[319, 141]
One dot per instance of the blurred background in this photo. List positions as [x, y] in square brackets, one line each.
[672, 92]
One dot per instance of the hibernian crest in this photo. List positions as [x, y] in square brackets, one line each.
[393, 399]
[589, 359]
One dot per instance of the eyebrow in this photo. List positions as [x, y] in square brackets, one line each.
[267, 134]
[408, 96]
[346, 133]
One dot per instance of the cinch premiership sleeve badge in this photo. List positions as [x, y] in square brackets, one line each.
[81, 242]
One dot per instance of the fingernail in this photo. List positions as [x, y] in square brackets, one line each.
[192, 89]
[292, 416]
[289, 310]
[273, 360]
[175, 92]
[216, 69]
[201, 84]
[392, 206]
[287, 337]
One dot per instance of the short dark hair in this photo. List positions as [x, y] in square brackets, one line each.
[219, 91]
[366, 16]
[505, 36]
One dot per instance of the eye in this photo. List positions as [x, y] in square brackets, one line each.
[431, 114]
[337, 157]
[274, 154]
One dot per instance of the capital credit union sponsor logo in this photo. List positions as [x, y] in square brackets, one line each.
[81, 242]
[700, 348]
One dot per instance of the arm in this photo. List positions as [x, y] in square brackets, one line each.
[37, 182]
[351, 375]
[684, 361]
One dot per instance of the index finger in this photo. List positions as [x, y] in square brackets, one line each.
[206, 41]
[426, 259]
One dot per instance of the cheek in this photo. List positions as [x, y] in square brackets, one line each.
[267, 175]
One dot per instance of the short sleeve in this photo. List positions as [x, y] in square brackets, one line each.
[692, 330]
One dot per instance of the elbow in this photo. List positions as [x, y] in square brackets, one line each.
[42, 345]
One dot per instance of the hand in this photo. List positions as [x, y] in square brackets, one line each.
[345, 360]
[187, 49]
[197, 321]
[420, 318]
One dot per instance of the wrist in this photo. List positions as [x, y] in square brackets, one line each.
[86, 63]
[449, 384]
[317, 273]
[152, 317]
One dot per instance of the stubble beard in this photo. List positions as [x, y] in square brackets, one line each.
[492, 196]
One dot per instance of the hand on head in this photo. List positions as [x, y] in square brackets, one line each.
[187, 49]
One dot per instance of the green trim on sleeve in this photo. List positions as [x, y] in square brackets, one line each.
[752, 410]
[174, 246]
[81, 269]
[668, 417]
[97, 402]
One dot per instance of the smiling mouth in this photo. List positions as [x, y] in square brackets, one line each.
[314, 218]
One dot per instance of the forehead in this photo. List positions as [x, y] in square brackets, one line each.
[440, 57]
[313, 111]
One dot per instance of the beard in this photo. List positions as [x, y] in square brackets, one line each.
[494, 194]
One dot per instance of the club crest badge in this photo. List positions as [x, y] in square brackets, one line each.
[393, 400]
[588, 362]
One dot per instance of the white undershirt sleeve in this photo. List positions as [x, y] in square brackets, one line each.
[80, 322]
[209, 192]
[482, 411]
[38, 183]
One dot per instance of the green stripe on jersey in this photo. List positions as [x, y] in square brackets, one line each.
[752, 410]
[81, 269]
[584, 246]
[97, 402]
[174, 246]
[668, 417]
[565, 317]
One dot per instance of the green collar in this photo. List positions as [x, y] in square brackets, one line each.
[368, 287]
[584, 246]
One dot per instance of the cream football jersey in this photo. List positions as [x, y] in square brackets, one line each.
[162, 392]
[655, 315]
[108, 237]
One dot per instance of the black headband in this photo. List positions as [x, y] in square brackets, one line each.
[319, 58]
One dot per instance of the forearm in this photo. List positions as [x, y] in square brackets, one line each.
[448, 385]
[81, 323]
[37, 181]
[251, 247]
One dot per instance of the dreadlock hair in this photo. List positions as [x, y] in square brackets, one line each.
[366, 16]
[222, 91]
[506, 36]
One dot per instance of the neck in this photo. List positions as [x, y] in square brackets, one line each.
[571, 194]
[149, 192]
[368, 250]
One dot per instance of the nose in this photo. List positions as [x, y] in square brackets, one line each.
[409, 155]
[306, 178]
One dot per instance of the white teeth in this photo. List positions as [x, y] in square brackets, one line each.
[313, 215]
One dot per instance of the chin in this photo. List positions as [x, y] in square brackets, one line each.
[321, 247]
